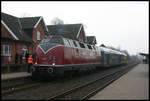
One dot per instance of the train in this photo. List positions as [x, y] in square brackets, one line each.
[57, 55]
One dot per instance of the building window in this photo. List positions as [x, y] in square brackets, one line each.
[6, 50]
[38, 35]
[24, 50]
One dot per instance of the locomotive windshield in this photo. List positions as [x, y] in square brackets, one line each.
[50, 42]
[52, 39]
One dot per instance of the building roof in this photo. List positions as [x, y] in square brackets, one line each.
[91, 40]
[66, 30]
[29, 22]
[14, 25]
[20, 28]
[144, 54]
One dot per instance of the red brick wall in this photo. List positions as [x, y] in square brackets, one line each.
[16, 48]
[17, 45]
[38, 28]
[81, 36]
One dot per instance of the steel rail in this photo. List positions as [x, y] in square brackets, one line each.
[86, 97]
[69, 91]
[19, 87]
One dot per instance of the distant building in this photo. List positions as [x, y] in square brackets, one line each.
[72, 31]
[91, 40]
[145, 57]
[19, 35]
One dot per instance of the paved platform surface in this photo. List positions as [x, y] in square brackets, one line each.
[134, 86]
[14, 75]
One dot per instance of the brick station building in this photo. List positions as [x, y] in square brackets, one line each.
[20, 35]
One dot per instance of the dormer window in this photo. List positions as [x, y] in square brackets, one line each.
[38, 35]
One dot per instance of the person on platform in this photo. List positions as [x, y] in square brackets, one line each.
[30, 62]
[16, 58]
[21, 58]
[26, 57]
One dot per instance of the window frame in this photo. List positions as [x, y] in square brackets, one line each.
[89, 47]
[8, 52]
[82, 45]
[65, 42]
[24, 51]
[38, 35]
[75, 44]
[71, 43]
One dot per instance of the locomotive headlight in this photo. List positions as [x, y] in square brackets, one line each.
[53, 60]
[53, 64]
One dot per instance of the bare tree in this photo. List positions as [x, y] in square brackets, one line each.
[57, 21]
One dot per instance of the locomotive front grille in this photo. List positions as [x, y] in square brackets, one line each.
[40, 69]
[43, 69]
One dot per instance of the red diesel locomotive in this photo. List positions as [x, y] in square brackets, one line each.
[57, 55]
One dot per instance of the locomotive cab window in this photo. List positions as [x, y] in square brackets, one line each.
[65, 42]
[77, 44]
[68, 42]
[74, 43]
[81, 45]
[54, 39]
[89, 47]
[94, 48]
[50, 42]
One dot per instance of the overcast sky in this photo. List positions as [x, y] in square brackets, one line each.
[117, 24]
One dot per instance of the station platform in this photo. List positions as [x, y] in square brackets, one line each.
[132, 86]
[14, 75]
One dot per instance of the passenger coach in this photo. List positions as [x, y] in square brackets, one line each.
[112, 57]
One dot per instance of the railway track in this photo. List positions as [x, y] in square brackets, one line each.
[85, 91]
[19, 87]
[74, 87]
